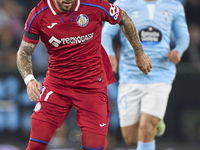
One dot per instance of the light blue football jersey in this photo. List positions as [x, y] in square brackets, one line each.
[155, 21]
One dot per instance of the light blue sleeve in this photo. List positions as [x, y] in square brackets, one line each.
[180, 30]
[108, 32]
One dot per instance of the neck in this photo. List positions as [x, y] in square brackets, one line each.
[56, 4]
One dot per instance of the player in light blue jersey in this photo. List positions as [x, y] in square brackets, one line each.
[142, 99]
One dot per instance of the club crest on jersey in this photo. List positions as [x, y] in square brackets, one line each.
[166, 15]
[37, 107]
[82, 20]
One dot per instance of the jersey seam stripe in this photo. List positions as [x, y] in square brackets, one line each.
[50, 6]
[39, 141]
[35, 16]
[71, 16]
[42, 91]
[92, 148]
[77, 5]
[61, 18]
[47, 96]
[97, 6]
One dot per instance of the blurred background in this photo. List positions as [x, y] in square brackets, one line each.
[183, 111]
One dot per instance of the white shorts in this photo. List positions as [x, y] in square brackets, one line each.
[136, 98]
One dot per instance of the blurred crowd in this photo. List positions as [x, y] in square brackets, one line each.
[13, 14]
[15, 107]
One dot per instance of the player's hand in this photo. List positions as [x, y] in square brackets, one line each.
[144, 63]
[113, 62]
[174, 56]
[33, 88]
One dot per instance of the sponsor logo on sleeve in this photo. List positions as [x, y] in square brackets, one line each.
[114, 11]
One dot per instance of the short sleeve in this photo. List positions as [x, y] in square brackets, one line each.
[32, 28]
[109, 12]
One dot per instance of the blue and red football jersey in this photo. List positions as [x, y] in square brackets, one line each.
[73, 42]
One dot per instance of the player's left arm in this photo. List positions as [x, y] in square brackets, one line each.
[181, 34]
[113, 14]
[128, 27]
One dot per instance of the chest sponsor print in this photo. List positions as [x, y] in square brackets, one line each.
[71, 40]
[150, 36]
[82, 20]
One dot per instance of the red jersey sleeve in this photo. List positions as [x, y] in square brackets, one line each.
[32, 27]
[109, 12]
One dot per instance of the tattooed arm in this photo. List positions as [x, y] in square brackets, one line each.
[24, 65]
[127, 26]
[24, 62]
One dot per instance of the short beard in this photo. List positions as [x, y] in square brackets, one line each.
[64, 10]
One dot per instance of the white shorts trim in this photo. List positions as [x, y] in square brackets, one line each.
[136, 98]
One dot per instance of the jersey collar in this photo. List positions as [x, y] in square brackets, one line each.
[55, 11]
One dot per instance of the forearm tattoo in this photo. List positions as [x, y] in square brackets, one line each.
[130, 31]
[24, 63]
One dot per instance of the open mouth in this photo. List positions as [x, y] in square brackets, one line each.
[68, 3]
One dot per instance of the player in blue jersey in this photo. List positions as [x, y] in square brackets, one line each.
[142, 99]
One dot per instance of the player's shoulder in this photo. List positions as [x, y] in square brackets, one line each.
[173, 6]
[39, 8]
[127, 4]
[126, 1]
[174, 3]
[94, 2]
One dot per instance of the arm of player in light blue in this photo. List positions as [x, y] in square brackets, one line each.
[108, 32]
[180, 30]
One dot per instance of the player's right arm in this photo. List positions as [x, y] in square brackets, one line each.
[24, 65]
[26, 49]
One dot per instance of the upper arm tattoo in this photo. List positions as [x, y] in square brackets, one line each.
[24, 63]
[130, 31]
